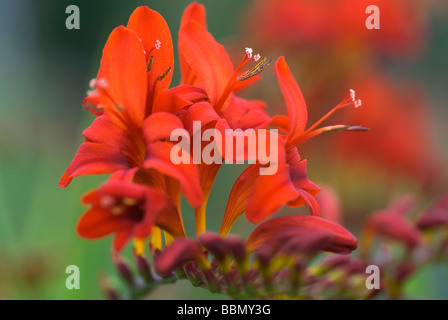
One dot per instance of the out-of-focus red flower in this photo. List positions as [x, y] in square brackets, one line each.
[128, 210]
[329, 204]
[400, 140]
[339, 24]
[392, 225]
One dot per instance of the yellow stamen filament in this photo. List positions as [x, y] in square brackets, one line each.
[139, 246]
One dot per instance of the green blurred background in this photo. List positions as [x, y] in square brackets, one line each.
[45, 71]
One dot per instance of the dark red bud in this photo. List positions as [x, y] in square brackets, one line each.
[176, 254]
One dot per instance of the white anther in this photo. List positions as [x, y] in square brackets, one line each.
[249, 52]
[102, 83]
[158, 44]
[352, 94]
[358, 103]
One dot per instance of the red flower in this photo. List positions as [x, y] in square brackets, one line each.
[392, 225]
[261, 196]
[206, 65]
[205, 62]
[128, 136]
[128, 210]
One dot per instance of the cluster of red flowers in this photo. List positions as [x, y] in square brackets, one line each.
[136, 111]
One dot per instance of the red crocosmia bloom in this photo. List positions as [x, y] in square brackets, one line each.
[128, 210]
[290, 184]
[342, 241]
[127, 138]
[206, 65]
[330, 205]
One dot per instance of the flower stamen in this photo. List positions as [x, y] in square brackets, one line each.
[246, 75]
[349, 101]
[161, 77]
[149, 64]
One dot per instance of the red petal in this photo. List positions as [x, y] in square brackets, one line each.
[280, 122]
[295, 102]
[308, 199]
[187, 174]
[150, 26]
[393, 225]
[93, 158]
[272, 144]
[207, 58]
[163, 214]
[238, 198]
[270, 193]
[121, 239]
[107, 148]
[299, 177]
[98, 222]
[123, 66]
[258, 195]
[194, 12]
[169, 101]
[190, 93]
[159, 126]
[203, 112]
[244, 114]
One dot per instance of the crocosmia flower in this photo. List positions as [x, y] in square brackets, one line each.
[128, 210]
[127, 138]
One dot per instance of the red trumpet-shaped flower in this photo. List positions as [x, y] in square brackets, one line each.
[128, 138]
[206, 65]
[128, 210]
[260, 196]
[392, 225]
